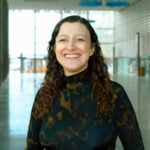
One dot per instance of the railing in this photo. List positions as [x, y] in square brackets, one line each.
[28, 64]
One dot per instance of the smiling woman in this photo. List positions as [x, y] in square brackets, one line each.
[73, 47]
[78, 107]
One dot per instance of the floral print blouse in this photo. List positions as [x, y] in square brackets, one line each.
[72, 123]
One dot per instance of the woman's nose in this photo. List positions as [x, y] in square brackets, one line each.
[70, 45]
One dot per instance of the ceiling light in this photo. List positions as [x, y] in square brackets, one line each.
[118, 3]
[90, 3]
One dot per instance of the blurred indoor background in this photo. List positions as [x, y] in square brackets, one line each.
[123, 28]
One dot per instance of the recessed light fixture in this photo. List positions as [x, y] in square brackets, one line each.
[90, 3]
[118, 3]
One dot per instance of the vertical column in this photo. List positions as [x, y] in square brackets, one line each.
[138, 52]
[4, 59]
[34, 59]
[114, 61]
[0, 42]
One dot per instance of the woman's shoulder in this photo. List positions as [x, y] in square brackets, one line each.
[116, 85]
[118, 89]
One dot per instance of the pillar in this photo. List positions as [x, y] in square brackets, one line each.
[4, 56]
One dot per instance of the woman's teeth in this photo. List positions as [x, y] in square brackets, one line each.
[72, 56]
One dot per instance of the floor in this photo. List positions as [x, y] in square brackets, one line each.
[17, 94]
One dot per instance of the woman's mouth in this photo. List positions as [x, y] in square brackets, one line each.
[72, 55]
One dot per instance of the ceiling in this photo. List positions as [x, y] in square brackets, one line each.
[59, 5]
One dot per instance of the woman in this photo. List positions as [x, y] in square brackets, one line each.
[77, 106]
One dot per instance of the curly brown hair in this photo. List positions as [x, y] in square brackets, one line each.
[101, 84]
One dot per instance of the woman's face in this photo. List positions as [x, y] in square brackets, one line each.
[73, 47]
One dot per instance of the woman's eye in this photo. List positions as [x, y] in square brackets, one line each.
[80, 39]
[61, 40]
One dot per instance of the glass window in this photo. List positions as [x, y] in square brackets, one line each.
[103, 19]
[45, 22]
[30, 30]
[21, 28]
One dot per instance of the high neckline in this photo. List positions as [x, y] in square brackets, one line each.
[79, 77]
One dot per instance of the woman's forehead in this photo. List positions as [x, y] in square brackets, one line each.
[73, 27]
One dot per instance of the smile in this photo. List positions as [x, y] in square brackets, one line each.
[72, 55]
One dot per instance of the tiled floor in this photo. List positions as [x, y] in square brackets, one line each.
[17, 95]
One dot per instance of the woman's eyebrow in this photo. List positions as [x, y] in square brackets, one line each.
[61, 35]
[76, 35]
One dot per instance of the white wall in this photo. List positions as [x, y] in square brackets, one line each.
[135, 18]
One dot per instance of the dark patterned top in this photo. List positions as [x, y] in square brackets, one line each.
[72, 123]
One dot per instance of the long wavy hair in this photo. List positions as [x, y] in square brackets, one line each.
[101, 84]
